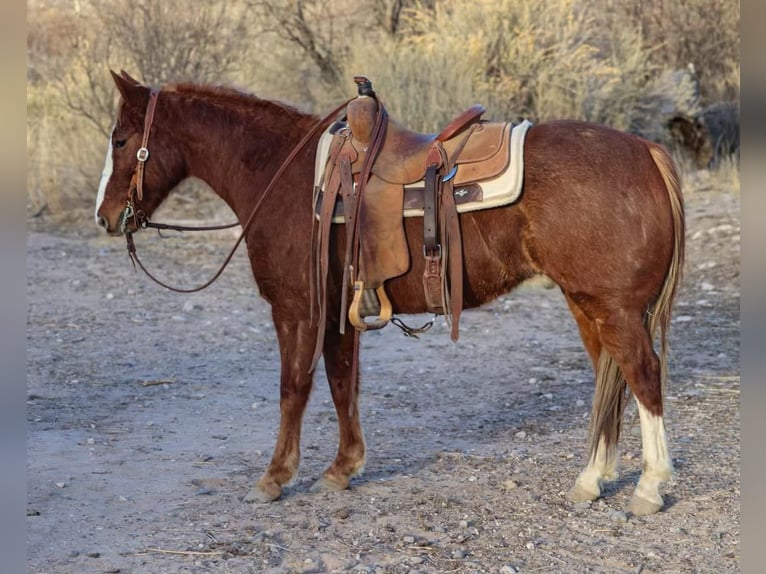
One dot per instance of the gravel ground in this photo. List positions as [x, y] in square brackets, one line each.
[150, 415]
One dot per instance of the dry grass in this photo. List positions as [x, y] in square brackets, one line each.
[601, 60]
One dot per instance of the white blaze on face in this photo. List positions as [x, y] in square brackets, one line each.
[105, 176]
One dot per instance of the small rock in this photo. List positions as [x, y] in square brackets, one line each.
[93, 554]
[463, 524]
[530, 545]
[618, 516]
[61, 484]
[191, 306]
[520, 434]
[415, 560]
[510, 485]
[408, 540]
[459, 553]
[203, 491]
[508, 570]
[342, 513]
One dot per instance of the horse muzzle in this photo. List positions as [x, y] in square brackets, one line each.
[126, 222]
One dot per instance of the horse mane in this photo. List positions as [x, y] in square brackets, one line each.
[243, 103]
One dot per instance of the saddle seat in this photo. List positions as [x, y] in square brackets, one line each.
[402, 158]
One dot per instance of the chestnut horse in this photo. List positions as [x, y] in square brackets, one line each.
[601, 214]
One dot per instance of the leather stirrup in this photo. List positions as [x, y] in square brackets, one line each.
[354, 312]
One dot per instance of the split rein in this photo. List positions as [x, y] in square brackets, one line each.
[142, 222]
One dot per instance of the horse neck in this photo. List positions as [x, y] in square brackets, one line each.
[237, 152]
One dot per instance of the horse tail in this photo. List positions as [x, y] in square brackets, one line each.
[611, 396]
[658, 315]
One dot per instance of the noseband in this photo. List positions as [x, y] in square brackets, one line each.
[137, 181]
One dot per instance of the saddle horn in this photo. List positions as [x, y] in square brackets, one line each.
[364, 86]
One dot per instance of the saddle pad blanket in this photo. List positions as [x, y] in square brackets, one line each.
[501, 190]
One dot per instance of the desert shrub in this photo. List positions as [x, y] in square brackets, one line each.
[71, 96]
[607, 61]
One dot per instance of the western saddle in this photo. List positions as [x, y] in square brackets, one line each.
[370, 161]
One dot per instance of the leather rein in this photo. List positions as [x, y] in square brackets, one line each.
[142, 222]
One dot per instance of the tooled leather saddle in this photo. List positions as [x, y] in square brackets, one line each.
[375, 171]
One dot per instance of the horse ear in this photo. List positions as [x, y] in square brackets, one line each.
[132, 92]
[129, 78]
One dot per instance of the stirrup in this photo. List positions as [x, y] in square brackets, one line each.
[354, 313]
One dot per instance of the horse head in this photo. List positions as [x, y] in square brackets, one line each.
[142, 164]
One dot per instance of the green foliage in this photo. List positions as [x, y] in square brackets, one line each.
[607, 61]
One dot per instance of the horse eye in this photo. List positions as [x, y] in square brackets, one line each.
[119, 143]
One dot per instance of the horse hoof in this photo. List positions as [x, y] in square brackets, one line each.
[641, 506]
[579, 494]
[327, 484]
[264, 493]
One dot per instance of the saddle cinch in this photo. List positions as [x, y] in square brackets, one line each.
[376, 171]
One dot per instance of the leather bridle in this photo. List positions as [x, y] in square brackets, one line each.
[142, 222]
[137, 181]
[136, 187]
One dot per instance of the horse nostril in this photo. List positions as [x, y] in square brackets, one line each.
[103, 222]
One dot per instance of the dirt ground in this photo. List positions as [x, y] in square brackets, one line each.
[151, 414]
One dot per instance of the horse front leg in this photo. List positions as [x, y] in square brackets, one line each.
[296, 343]
[343, 377]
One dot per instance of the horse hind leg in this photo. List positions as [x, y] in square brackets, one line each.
[626, 338]
[602, 462]
[343, 377]
[657, 464]
[295, 349]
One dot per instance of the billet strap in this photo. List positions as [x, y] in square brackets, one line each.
[443, 289]
[432, 284]
[453, 254]
[433, 185]
[453, 245]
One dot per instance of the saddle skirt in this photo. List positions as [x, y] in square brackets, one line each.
[489, 170]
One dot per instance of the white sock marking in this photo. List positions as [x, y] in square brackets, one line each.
[654, 444]
[603, 467]
[658, 466]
